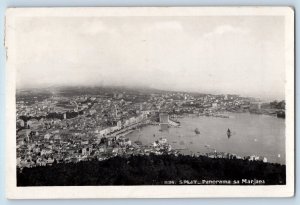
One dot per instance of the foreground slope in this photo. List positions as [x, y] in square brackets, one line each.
[153, 170]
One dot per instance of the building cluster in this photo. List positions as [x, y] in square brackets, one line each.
[225, 155]
[57, 128]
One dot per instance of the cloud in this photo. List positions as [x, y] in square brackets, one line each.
[165, 53]
[225, 29]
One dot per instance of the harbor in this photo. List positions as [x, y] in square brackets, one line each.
[250, 134]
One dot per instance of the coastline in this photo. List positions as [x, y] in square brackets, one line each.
[186, 151]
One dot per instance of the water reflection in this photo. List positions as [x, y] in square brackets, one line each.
[164, 127]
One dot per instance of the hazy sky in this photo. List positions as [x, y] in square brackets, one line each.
[241, 55]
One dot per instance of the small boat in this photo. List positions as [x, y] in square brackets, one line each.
[197, 131]
[228, 133]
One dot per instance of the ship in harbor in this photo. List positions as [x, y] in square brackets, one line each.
[228, 133]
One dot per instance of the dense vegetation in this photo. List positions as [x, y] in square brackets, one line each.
[149, 170]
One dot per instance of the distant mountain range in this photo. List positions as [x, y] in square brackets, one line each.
[94, 90]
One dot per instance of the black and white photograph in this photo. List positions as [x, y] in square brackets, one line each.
[148, 100]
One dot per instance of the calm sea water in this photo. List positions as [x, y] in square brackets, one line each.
[260, 135]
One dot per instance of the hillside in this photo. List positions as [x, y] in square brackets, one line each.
[153, 170]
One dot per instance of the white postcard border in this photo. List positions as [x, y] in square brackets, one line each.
[184, 191]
